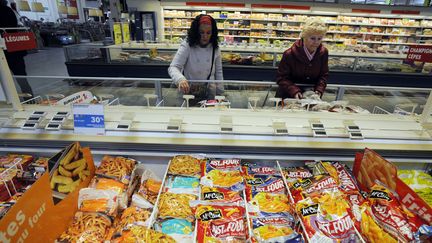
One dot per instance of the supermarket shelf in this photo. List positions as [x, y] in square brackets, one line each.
[367, 33]
[233, 28]
[276, 29]
[176, 34]
[430, 36]
[167, 27]
[386, 43]
[236, 36]
[376, 25]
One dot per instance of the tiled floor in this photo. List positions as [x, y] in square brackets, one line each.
[46, 62]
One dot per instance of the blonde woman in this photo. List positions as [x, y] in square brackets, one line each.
[306, 62]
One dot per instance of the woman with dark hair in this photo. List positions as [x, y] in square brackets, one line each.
[199, 58]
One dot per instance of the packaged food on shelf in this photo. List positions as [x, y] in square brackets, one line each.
[87, 227]
[175, 205]
[220, 195]
[132, 215]
[225, 173]
[389, 213]
[186, 165]
[326, 216]
[220, 222]
[16, 160]
[98, 201]
[274, 229]
[181, 230]
[138, 233]
[149, 187]
[119, 168]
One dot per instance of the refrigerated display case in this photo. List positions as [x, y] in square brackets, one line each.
[258, 62]
[246, 117]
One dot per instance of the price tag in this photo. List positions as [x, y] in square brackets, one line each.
[89, 119]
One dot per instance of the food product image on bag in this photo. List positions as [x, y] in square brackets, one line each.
[138, 233]
[302, 189]
[274, 229]
[101, 201]
[180, 229]
[173, 205]
[223, 173]
[130, 216]
[388, 212]
[293, 174]
[220, 223]
[119, 168]
[371, 231]
[326, 218]
[269, 198]
[185, 165]
[220, 195]
[342, 176]
[149, 189]
[268, 168]
[87, 227]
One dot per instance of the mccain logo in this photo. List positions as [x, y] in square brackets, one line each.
[211, 215]
[213, 196]
[302, 183]
[309, 210]
[379, 195]
[254, 182]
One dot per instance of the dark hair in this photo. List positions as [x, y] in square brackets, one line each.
[193, 36]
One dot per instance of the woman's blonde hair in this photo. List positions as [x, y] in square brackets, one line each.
[313, 26]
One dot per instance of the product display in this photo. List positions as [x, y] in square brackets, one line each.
[261, 26]
[258, 202]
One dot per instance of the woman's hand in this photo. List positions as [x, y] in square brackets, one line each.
[298, 96]
[184, 86]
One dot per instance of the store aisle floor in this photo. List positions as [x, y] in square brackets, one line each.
[49, 61]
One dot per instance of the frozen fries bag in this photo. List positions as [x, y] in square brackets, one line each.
[326, 217]
[220, 222]
[225, 173]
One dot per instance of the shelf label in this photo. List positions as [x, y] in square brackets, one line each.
[420, 53]
[89, 119]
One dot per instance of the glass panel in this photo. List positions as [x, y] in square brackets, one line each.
[85, 52]
[341, 63]
[54, 91]
[388, 65]
[138, 55]
[237, 95]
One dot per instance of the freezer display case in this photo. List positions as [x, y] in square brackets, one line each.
[266, 57]
[147, 123]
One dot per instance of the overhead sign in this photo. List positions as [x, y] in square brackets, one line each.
[89, 119]
[19, 41]
[76, 98]
[420, 53]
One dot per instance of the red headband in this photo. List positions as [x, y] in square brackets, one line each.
[205, 19]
